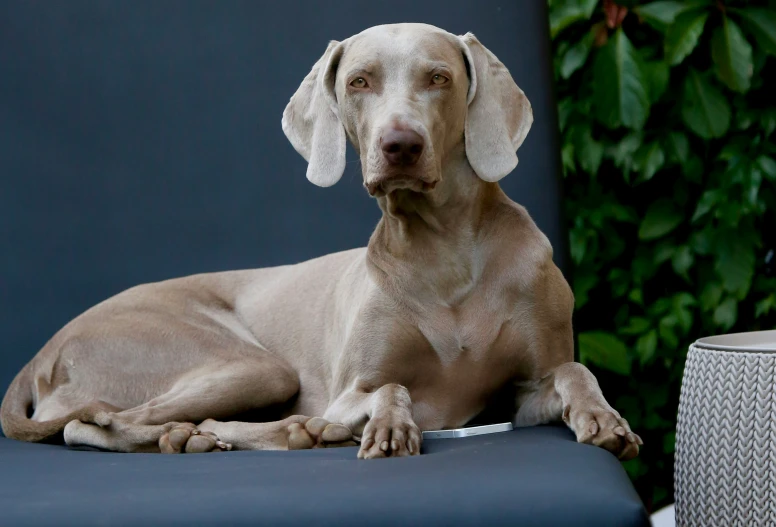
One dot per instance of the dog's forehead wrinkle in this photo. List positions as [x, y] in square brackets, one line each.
[405, 43]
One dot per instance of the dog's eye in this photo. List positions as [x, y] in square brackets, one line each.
[439, 79]
[359, 83]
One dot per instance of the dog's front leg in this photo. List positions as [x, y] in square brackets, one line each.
[387, 412]
[571, 393]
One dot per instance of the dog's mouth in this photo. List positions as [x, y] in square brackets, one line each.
[383, 185]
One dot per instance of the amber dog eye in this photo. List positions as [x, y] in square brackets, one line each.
[359, 83]
[439, 79]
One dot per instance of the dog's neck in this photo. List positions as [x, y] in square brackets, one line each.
[438, 231]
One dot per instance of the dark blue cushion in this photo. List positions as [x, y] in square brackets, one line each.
[529, 477]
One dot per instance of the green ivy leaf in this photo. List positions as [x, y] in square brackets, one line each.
[621, 153]
[729, 213]
[764, 306]
[735, 263]
[589, 152]
[636, 326]
[583, 283]
[767, 166]
[744, 119]
[664, 251]
[683, 35]
[646, 346]
[567, 12]
[702, 242]
[678, 147]
[578, 237]
[726, 314]
[576, 56]
[656, 74]
[733, 56]
[619, 90]
[666, 329]
[636, 296]
[762, 24]
[731, 152]
[708, 200]
[649, 159]
[661, 218]
[682, 261]
[621, 213]
[567, 158]
[768, 121]
[693, 169]
[705, 110]
[605, 351]
[662, 14]
[619, 279]
[565, 109]
[711, 295]
[680, 309]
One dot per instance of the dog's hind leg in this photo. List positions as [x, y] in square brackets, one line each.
[219, 390]
[166, 423]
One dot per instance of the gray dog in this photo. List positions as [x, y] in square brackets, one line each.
[455, 301]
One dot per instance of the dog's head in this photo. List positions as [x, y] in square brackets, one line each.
[410, 97]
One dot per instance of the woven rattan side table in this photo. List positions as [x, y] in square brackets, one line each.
[725, 464]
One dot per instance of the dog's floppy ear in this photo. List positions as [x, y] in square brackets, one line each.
[311, 121]
[499, 114]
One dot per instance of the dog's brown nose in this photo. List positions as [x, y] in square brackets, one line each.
[402, 146]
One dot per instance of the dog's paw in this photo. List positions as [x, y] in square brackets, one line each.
[187, 438]
[318, 433]
[605, 428]
[391, 435]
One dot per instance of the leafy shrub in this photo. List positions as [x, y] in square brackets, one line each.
[667, 116]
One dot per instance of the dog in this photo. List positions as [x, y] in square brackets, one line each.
[455, 308]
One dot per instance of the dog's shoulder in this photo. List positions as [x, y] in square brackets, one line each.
[517, 234]
[523, 253]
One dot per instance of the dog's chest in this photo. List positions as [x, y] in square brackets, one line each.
[468, 360]
[474, 330]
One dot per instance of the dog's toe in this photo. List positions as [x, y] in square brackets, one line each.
[606, 429]
[390, 436]
[185, 437]
[318, 433]
[299, 438]
[336, 433]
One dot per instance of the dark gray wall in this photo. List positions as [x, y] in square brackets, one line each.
[141, 140]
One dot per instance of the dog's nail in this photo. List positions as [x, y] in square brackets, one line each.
[409, 447]
[394, 445]
[639, 440]
[593, 428]
[223, 446]
[384, 446]
[620, 431]
[195, 432]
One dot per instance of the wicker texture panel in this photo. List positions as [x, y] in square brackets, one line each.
[725, 464]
